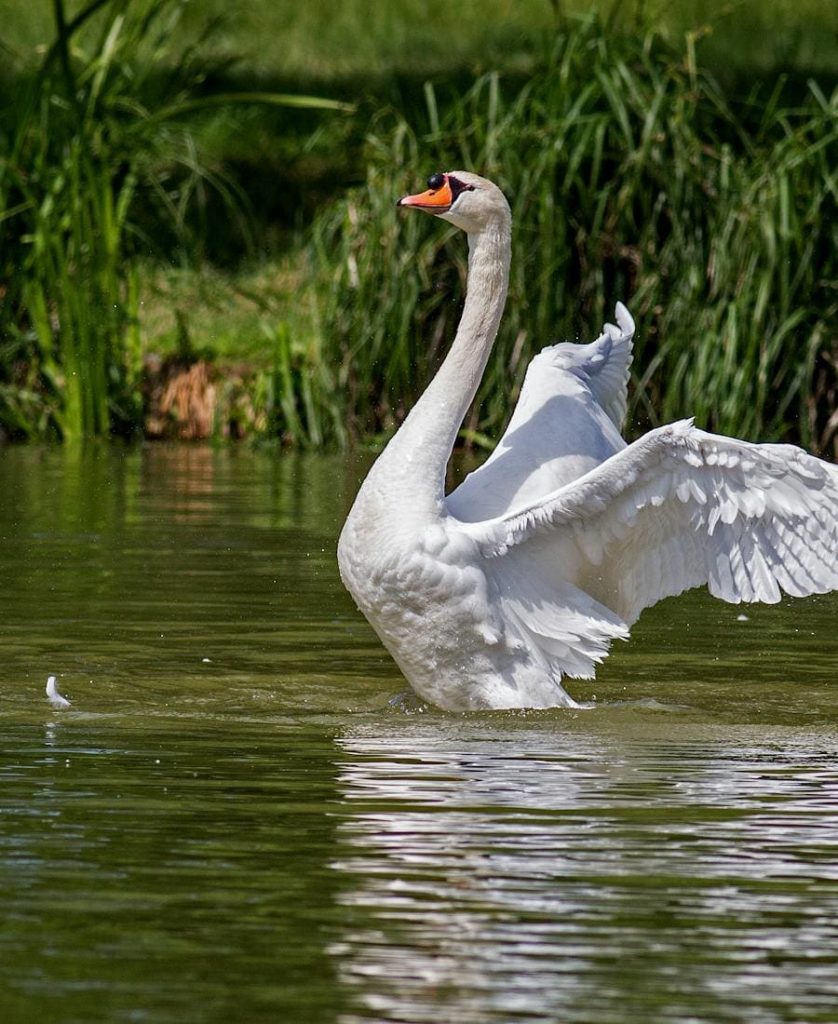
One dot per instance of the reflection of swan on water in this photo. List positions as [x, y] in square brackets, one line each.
[450, 869]
[535, 869]
[524, 574]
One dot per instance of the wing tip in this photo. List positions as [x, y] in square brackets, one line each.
[624, 319]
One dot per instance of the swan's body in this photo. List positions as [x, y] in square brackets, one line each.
[525, 573]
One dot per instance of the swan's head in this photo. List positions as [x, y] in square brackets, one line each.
[465, 199]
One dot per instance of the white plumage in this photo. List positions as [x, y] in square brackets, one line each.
[525, 573]
[56, 699]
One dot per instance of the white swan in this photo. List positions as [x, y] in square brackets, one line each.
[524, 574]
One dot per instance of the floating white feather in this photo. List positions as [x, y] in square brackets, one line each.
[54, 697]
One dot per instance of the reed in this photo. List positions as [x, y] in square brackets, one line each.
[100, 162]
[631, 176]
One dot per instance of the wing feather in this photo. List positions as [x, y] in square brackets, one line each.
[680, 508]
[567, 420]
[608, 365]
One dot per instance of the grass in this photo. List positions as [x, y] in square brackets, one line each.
[99, 164]
[325, 42]
[217, 314]
[170, 213]
[630, 176]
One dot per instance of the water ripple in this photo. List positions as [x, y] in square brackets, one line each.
[632, 882]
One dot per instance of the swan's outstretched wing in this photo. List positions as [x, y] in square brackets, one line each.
[568, 419]
[677, 509]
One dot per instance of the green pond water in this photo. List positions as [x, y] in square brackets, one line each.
[234, 823]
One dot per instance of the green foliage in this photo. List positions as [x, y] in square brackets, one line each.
[630, 177]
[99, 160]
[631, 172]
[300, 394]
[326, 41]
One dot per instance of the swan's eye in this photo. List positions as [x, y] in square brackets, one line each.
[436, 181]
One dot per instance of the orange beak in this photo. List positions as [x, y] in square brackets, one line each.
[435, 200]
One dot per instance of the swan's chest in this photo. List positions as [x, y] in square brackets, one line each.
[419, 586]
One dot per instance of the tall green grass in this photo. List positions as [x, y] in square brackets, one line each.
[631, 176]
[98, 164]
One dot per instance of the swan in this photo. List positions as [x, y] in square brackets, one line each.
[489, 596]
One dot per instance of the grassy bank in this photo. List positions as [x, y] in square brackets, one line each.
[263, 243]
[100, 165]
[630, 175]
[350, 42]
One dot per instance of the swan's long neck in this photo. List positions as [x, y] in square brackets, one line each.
[415, 460]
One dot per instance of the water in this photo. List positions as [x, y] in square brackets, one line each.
[233, 822]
